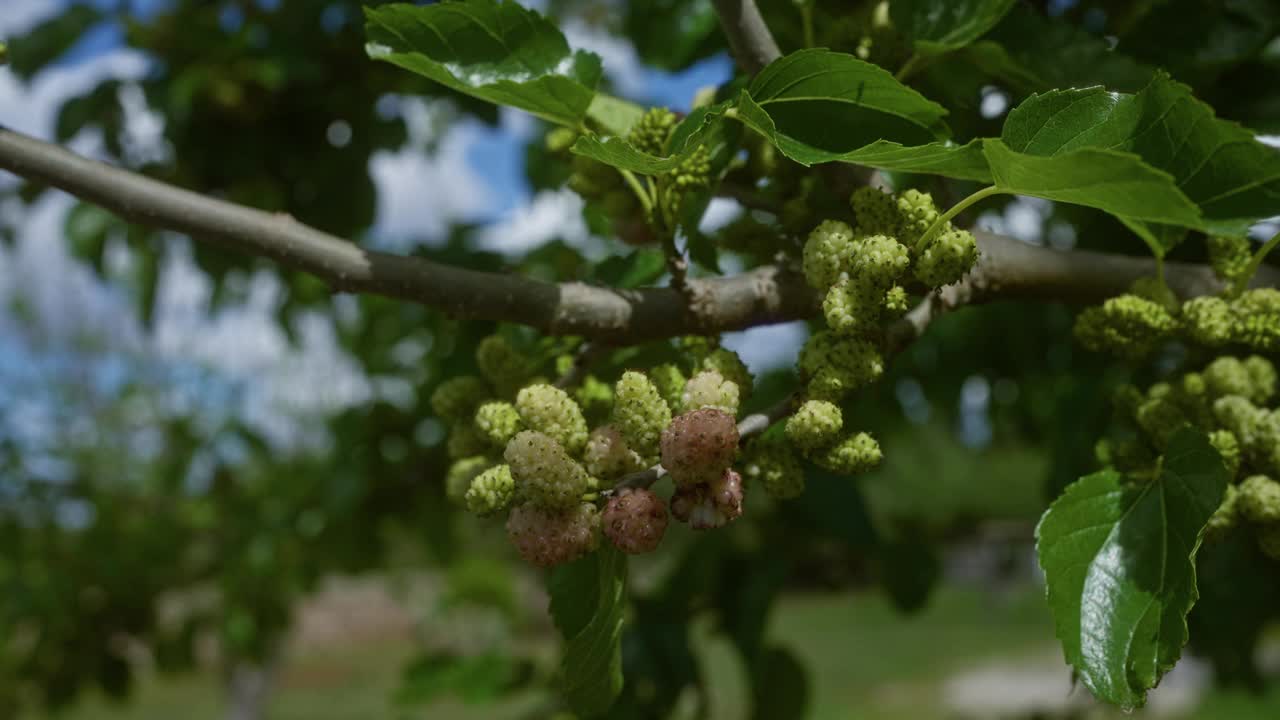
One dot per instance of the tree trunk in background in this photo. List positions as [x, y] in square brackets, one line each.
[248, 687]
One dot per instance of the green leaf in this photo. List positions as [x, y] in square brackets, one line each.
[938, 26]
[499, 52]
[1221, 167]
[1119, 560]
[817, 105]
[592, 668]
[965, 162]
[1111, 180]
[613, 115]
[641, 267]
[47, 41]
[619, 153]
[1030, 52]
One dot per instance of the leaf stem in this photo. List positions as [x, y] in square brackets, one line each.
[1256, 262]
[908, 67]
[806, 19]
[634, 183]
[956, 209]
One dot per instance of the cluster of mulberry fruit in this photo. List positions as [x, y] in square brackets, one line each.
[557, 460]
[1233, 401]
[862, 271]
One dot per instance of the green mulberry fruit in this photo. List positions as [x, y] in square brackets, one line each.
[639, 413]
[491, 491]
[1226, 517]
[816, 424]
[693, 173]
[896, 301]
[651, 131]
[607, 455]
[855, 454]
[498, 422]
[916, 214]
[875, 211]
[1260, 499]
[1228, 448]
[502, 364]
[827, 252]
[727, 363]
[852, 306]
[709, 389]
[545, 475]
[948, 257]
[551, 411]
[1230, 257]
[835, 366]
[1228, 376]
[772, 462]
[1262, 375]
[670, 383]
[456, 399]
[1125, 325]
[1208, 321]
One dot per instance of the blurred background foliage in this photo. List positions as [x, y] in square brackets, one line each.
[164, 557]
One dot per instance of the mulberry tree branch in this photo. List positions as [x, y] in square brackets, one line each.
[752, 44]
[768, 294]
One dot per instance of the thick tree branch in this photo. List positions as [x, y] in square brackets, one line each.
[752, 44]
[768, 294]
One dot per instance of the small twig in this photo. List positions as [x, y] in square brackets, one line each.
[677, 264]
[752, 44]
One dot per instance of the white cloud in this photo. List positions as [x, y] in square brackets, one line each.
[20, 15]
[32, 108]
[420, 194]
[550, 215]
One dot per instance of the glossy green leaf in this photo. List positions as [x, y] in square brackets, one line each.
[1221, 167]
[1111, 180]
[499, 52]
[937, 26]
[619, 153]
[818, 105]
[1119, 560]
[965, 162]
[592, 669]
[613, 115]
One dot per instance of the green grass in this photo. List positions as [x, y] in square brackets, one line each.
[865, 662]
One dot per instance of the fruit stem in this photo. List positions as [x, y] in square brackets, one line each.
[956, 209]
[1256, 262]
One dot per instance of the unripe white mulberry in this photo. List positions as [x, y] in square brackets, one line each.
[634, 520]
[639, 413]
[551, 411]
[827, 251]
[1208, 320]
[709, 505]
[545, 475]
[875, 211]
[947, 258]
[698, 445]
[817, 423]
[491, 491]
[669, 381]
[916, 214]
[852, 306]
[855, 454]
[607, 456]
[498, 422]
[553, 537]
[771, 462]
[502, 364]
[727, 363]
[834, 365]
[1259, 499]
[1262, 376]
[709, 389]
[455, 399]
